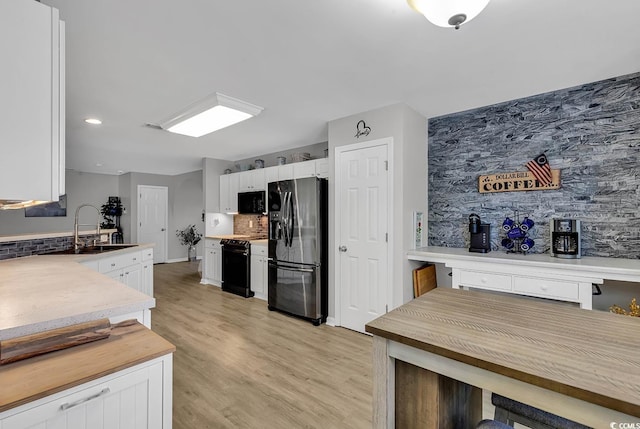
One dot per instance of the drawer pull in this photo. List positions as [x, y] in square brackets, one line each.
[483, 280]
[113, 264]
[544, 287]
[68, 405]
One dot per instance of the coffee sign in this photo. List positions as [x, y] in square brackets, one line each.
[518, 181]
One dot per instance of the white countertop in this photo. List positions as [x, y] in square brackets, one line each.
[39, 293]
[607, 268]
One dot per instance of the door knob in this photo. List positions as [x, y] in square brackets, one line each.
[342, 248]
[163, 229]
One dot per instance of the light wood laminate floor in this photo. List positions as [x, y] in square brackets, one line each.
[239, 365]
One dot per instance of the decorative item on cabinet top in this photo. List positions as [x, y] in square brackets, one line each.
[300, 156]
[259, 163]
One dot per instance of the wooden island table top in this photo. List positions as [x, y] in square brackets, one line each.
[523, 348]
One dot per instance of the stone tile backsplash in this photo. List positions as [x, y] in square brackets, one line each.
[18, 249]
[591, 133]
[250, 225]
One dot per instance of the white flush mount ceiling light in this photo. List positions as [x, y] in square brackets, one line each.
[93, 121]
[449, 13]
[210, 114]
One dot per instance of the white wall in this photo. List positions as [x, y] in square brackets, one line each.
[186, 205]
[90, 188]
[408, 130]
[211, 171]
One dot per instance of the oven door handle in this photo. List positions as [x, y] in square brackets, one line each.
[235, 252]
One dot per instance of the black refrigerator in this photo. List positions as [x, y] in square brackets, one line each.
[298, 276]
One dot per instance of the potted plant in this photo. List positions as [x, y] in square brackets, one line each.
[189, 236]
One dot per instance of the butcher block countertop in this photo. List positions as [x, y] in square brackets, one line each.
[589, 355]
[35, 378]
[44, 292]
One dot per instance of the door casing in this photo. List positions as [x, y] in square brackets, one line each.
[339, 150]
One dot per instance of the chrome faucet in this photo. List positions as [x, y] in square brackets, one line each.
[76, 240]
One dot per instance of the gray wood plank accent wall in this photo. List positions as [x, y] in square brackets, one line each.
[590, 132]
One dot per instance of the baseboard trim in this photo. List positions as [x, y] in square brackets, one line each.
[171, 261]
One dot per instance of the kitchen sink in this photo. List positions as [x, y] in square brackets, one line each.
[93, 250]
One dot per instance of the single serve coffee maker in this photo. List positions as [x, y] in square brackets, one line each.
[480, 235]
[565, 238]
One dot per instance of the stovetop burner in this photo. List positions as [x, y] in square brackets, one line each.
[235, 242]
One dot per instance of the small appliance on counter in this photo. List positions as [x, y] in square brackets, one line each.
[480, 235]
[565, 238]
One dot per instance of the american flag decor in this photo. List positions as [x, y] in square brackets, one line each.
[541, 169]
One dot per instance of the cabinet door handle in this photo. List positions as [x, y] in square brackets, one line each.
[113, 264]
[68, 405]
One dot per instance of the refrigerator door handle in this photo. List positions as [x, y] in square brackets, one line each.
[290, 218]
[297, 270]
[285, 218]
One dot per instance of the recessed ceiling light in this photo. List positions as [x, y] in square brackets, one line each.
[98, 164]
[210, 114]
[93, 121]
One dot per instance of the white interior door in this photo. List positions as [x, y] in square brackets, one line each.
[153, 219]
[362, 189]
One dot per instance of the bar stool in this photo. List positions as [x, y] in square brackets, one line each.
[492, 424]
[510, 412]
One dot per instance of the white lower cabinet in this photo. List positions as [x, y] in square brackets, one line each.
[259, 279]
[139, 397]
[551, 286]
[135, 269]
[146, 281]
[146, 284]
[212, 273]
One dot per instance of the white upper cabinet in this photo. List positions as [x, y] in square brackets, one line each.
[258, 179]
[32, 102]
[229, 184]
[252, 180]
[322, 167]
[271, 175]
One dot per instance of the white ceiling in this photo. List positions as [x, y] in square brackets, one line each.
[309, 62]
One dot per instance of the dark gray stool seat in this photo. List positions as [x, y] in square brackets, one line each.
[510, 412]
[492, 424]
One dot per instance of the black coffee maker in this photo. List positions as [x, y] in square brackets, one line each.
[480, 235]
[565, 238]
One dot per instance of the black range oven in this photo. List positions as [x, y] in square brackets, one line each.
[236, 267]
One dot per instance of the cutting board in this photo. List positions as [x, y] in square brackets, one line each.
[27, 346]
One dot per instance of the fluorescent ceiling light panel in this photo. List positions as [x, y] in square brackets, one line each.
[210, 114]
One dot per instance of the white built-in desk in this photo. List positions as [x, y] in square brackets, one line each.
[539, 275]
